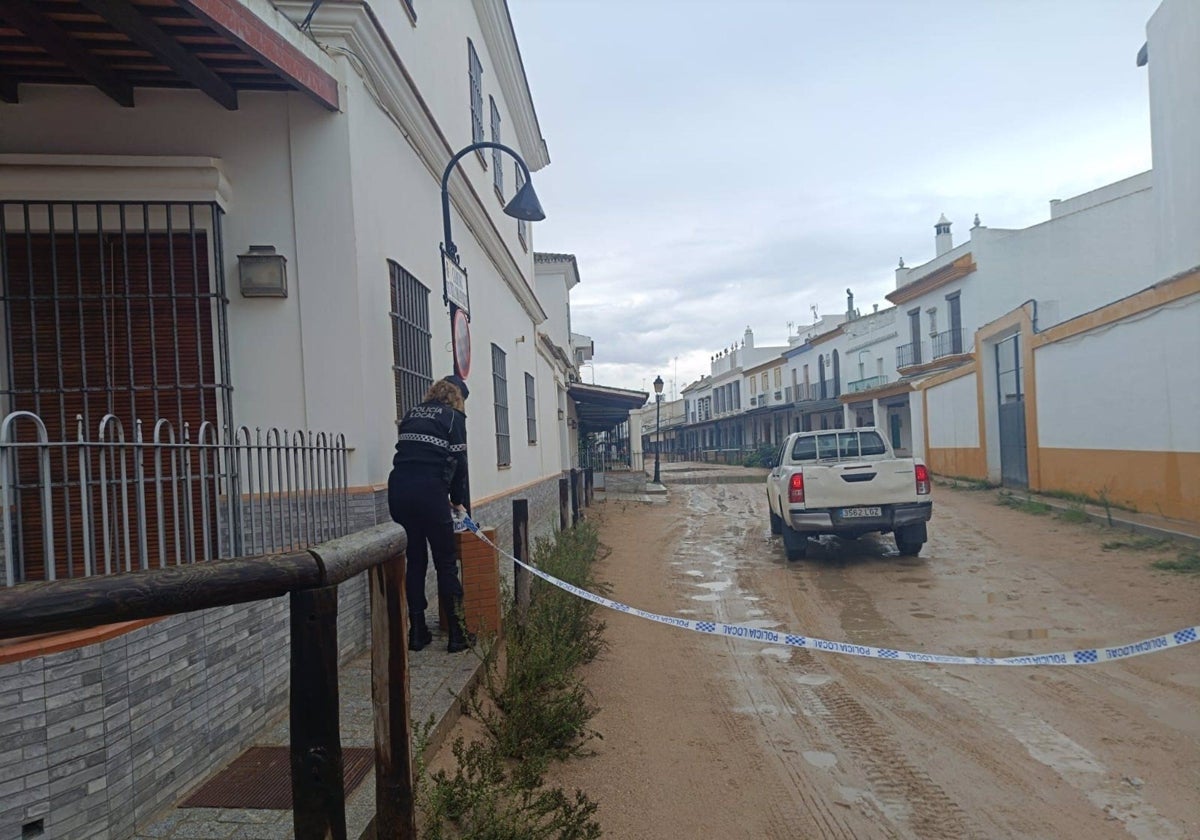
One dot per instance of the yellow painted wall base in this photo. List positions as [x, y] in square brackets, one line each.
[1161, 483]
[963, 462]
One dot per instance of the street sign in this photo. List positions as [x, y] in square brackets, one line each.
[454, 284]
[461, 331]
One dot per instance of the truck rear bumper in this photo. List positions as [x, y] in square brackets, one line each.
[830, 520]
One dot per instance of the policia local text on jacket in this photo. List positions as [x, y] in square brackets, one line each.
[429, 474]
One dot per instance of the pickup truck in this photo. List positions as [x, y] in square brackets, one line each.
[847, 482]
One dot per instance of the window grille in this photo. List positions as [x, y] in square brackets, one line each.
[412, 357]
[500, 401]
[110, 308]
[475, 75]
[530, 409]
[497, 163]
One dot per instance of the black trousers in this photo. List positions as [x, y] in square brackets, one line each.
[422, 505]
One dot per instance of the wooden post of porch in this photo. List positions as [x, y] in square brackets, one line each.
[318, 790]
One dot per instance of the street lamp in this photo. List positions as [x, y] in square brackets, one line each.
[658, 386]
[524, 206]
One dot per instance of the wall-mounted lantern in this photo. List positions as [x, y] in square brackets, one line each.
[262, 272]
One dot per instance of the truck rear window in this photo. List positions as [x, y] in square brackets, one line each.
[838, 445]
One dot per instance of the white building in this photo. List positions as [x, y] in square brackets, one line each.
[214, 217]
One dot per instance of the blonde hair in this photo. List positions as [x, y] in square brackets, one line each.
[446, 393]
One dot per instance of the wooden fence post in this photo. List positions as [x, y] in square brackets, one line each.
[574, 497]
[395, 808]
[318, 790]
[521, 579]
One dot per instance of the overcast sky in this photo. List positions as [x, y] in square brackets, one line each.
[719, 164]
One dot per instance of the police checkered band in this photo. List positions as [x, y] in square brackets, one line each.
[1085, 656]
[458, 447]
[430, 439]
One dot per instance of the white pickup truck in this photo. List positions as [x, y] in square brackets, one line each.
[847, 482]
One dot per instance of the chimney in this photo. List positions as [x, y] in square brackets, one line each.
[849, 305]
[749, 340]
[943, 240]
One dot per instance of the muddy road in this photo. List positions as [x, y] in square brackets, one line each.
[708, 736]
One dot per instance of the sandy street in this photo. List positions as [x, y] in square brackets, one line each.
[715, 737]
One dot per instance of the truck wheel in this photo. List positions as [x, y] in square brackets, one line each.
[795, 544]
[776, 522]
[909, 540]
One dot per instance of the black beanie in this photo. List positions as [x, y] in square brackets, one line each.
[455, 380]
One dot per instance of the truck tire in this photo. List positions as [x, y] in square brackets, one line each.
[776, 521]
[909, 542]
[795, 544]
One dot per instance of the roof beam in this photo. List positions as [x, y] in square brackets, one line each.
[8, 89]
[46, 34]
[235, 21]
[126, 18]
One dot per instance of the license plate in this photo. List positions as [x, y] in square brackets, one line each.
[861, 512]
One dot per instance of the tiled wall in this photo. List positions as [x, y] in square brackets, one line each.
[97, 740]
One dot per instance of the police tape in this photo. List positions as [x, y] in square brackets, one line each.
[1086, 656]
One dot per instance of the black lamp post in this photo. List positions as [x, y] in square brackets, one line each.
[658, 386]
[524, 205]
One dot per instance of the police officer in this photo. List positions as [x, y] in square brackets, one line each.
[428, 479]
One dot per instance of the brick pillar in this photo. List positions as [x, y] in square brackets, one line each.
[481, 582]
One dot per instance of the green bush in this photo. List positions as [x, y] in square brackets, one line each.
[763, 456]
[533, 707]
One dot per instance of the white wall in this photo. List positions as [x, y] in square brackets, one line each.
[1174, 70]
[953, 414]
[260, 158]
[1083, 404]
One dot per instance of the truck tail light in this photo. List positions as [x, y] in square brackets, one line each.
[923, 487]
[796, 489]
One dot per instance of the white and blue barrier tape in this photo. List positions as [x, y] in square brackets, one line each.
[1086, 656]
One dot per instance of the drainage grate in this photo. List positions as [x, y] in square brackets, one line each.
[261, 777]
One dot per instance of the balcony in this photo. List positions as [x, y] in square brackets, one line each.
[948, 343]
[807, 393]
[865, 384]
[908, 355]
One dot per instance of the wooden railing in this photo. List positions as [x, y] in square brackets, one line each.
[311, 579]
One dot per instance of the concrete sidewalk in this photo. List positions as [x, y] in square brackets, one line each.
[436, 680]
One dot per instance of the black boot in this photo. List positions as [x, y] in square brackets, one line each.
[418, 632]
[460, 639]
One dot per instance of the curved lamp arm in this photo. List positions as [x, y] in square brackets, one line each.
[524, 204]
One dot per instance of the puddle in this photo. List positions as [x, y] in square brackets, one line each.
[694, 573]
[922, 615]
[1024, 635]
[762, 624]
[752, 598]
[782, 654]
[716, 585]
[712, 597]
[813, 679]
[819, 759]
[753, 613]
[687, 612]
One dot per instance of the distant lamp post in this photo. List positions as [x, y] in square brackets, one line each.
[658, 386]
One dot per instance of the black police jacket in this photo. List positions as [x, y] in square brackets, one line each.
[433, 443]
